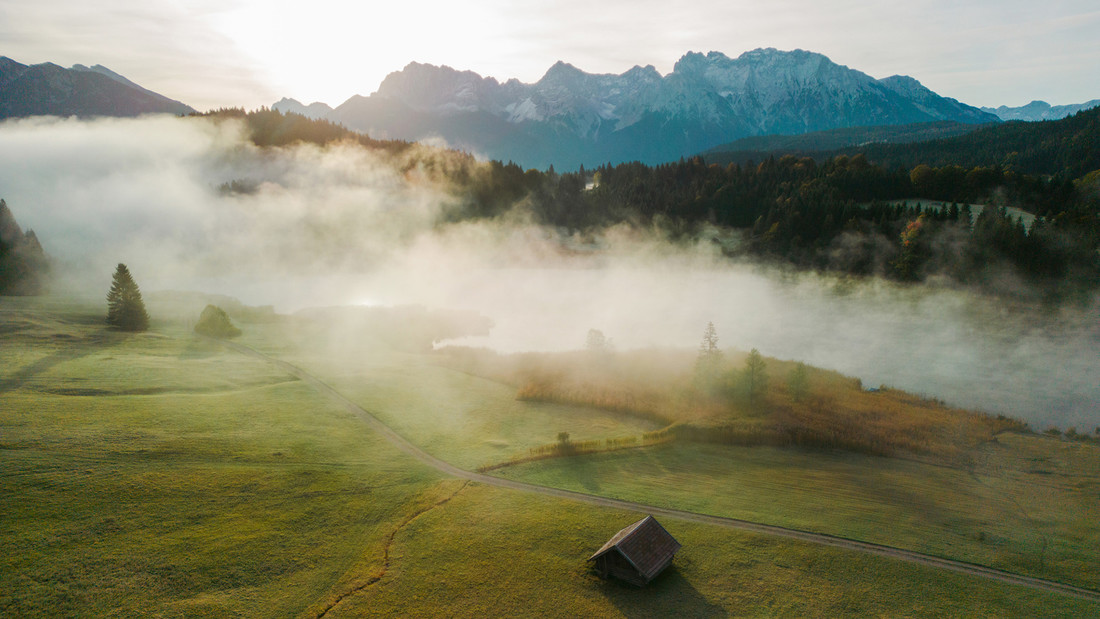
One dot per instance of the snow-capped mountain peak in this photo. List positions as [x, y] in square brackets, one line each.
[569, 116]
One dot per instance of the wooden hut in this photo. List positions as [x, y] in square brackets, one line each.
[636, 554]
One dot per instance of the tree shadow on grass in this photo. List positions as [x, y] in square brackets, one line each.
[79, 348]
[582, 469]
[201, 349]
[669, 595]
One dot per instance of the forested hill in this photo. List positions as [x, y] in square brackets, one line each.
[24, 267]
[759, 148]
[844, 214]
[273, 128]
[1069, 148]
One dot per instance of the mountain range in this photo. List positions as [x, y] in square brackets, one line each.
[315, 110]
[49, 89]
[570, 117]
[1040, 110]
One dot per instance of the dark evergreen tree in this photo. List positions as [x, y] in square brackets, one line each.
[23, 264]
[125, 309]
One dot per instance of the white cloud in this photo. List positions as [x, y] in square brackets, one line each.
[248, 52]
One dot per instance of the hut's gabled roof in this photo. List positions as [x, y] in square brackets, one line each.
[645, 544]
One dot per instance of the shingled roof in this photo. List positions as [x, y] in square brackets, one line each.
[646, 545]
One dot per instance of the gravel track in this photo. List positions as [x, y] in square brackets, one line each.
[730, 523]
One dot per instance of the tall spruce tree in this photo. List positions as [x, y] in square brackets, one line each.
[708, 365]
[125, 309]
[709, 353]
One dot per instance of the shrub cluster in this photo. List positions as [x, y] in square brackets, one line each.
[214, 322]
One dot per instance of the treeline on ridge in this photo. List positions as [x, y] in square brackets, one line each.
[1069, 147]
[845, 214]
[268, 127]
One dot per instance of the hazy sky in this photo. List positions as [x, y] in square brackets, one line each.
[211, 53]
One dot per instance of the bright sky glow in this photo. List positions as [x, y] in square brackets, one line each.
[213, 53]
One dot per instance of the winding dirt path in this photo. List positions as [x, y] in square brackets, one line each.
[730, 523]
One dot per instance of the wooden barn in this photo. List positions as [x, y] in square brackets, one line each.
[636, 554]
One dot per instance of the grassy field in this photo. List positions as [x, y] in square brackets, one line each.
[466, 420]
[159, 475]
[1008, 513]
[489, 552]
[1023, 503]
[224, 488]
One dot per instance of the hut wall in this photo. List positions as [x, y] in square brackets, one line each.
[615, 565]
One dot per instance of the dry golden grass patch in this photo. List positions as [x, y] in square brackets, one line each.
[832, 411]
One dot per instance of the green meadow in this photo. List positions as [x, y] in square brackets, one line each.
[158, 474]
[466, 420]
[1023, 503]
[1018, 510]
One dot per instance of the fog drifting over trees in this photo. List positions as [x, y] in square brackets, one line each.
[191, 204]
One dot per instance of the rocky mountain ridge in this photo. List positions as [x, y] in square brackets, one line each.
[570, 117]
[315, 110]
[49, 89]
[1040, 110]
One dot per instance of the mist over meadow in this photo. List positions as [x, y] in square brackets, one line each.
[191, 204]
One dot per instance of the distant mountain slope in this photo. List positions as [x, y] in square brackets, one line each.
[570, 117]
[761, 147]
[1040, 110]
[47, 89]
[315, 110]
[1069, 148]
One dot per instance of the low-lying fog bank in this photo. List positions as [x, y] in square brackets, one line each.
[1038, 365]
[341, 225]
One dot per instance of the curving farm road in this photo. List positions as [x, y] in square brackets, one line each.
[730, 523]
